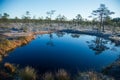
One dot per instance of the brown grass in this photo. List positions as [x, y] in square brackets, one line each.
[92, 76]
[28, 73]
[10, 67]
[62, 75]
[48, 76]
[8, 45]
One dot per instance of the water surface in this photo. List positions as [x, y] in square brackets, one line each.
[72, 52]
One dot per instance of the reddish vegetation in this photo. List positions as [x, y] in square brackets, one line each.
[8, 45]
[10, 67]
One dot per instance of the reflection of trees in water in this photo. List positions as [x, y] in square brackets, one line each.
[117, 43]
[50, 42]
[98, 45]
[75, 35]
[113, 49]
[60, 34]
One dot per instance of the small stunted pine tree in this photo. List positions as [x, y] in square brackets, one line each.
[102, 12]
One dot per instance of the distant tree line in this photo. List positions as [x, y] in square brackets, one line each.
[100, 17]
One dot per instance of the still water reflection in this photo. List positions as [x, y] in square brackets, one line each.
[73, 52]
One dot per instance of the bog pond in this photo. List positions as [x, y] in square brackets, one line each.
[69, 51]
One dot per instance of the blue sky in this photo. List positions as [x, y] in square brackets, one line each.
[69, 8]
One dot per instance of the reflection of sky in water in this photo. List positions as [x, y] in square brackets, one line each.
[67, 52]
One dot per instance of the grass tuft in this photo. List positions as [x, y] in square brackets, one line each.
[28, 73]
[62, 75]
[48, 76]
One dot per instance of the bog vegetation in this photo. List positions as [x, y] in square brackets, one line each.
[100, 23]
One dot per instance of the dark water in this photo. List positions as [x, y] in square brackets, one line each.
[73, 52]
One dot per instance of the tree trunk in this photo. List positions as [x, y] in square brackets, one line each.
[103, 27]
[100, 22]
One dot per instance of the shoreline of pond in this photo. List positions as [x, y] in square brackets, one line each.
[32, 36]
[113, 37]
[7, 45]
[4, 48]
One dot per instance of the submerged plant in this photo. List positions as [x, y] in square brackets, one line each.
[28, 73]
